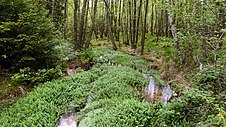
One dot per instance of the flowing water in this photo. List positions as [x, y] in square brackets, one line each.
[154, 92]
[167, 93]
[69, 119]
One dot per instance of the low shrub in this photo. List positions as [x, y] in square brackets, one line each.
[118, 112]
[29, 77]
[192, 108]
[105, 55]
[127, 113]
[212, 78]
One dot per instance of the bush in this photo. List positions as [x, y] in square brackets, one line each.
[192, 108]
[212, 78]
[29, 77]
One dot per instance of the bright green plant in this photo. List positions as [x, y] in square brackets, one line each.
[127, 113]
[29, 77]
[45, 104]
[212, 78]
[104, 55]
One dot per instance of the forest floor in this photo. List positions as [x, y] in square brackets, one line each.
[114, 85]
[9, 92]
[169, 71]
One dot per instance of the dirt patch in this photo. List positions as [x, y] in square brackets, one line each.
[10, 92]
[74, 65]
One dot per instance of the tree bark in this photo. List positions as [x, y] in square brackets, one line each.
[82, 22]
[65, 18]
[109, 25]
[75, 25]
[144, 28]
[93, 24]
[174, 32]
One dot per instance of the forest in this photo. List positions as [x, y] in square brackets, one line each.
[112, 63]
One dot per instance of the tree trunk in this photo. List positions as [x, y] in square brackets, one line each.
[174, 32]
[144, 28]
[138, 22]
[93, 24]
[82, 21]
[76, 25]
[109, 25]
[65, 18]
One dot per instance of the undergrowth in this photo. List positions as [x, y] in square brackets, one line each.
[114, 84]
[44, 105]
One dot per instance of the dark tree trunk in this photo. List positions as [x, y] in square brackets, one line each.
[65, 18]
[144, 28]
[76, 25]
[109, 26]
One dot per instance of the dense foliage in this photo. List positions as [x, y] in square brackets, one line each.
[104, 55]
[116, 100]
[31, 78]
[26, 35]
[181, 38]
[47, 102]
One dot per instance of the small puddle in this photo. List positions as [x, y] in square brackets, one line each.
[154, 92]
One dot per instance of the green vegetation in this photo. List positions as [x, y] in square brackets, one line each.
[44, 105]
[180, 43]
[26, 35]
[31, 78]
[116, 100]
[104, 55]
[212, 78]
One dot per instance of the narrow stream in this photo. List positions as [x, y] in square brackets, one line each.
[151, 92]
[154, 92]
[69, 119]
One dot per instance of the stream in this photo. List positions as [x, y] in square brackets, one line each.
[151, 92]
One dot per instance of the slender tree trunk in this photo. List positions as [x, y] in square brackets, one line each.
[82, 21]
[65, 18]
[134, 24]
[138, 22]
[130, 24]
[85, 25]
[174, 32]
[93, 24]
[152, 18]
[76, 25]
[144, 28]
[109, 25]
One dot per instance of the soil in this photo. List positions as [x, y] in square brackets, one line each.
[10, 92]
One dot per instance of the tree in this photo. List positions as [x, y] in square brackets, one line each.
[174, 32]
[144, 28]
[109, 25]
[25, 35]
